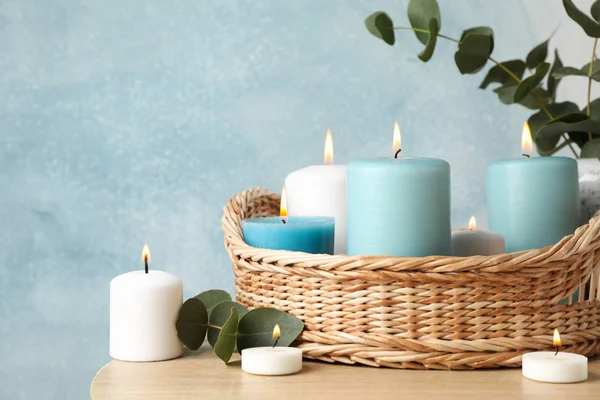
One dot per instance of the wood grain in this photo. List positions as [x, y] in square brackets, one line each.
[203, 376]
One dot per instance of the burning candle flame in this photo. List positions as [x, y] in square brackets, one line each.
[472, 223]
[283, 206]
[146, 253]
[397, 141]
[526, 142]
[328, 156]
[276, 332]
[556, 339]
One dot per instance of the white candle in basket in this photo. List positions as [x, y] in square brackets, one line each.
[320, 190]
[272, 360]
[555, 367]
[143, 310]
[476, 242]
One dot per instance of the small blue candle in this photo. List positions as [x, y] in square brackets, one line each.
[298, 233]
[398, 206]
[533, 202]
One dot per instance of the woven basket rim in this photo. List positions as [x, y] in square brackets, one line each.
[522, 261]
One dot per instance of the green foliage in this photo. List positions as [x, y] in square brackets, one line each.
[256, 328]
[381, 26]
[475, 47]
[228, 323]
[420, 14]
[225, 344]
[554, 125]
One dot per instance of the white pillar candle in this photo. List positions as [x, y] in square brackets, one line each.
[143, 309]
[555, 367]
[476, 242]
[320, 190]
[272, 360]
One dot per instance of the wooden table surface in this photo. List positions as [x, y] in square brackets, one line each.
[201, 375]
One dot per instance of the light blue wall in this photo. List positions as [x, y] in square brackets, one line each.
[124, 122]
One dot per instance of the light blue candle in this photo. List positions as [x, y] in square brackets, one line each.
[398, 206]
[307, 234]
[533, 202]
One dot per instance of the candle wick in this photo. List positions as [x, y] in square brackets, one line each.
[275, 344]
[557, 347]
[398, 152]
[283, 220]
[526, 155]
[146, 264]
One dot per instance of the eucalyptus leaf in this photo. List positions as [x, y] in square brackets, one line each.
[420, 13]
[537, 98]
[211, 298]
[547, 145]
[590, 27]
[591, 149]
[219, 315]
[573, 122]
[256, 328]
[531, 82]
[568, 71]
[537, 55]
[191, 323]
[579, 138]
[595, 72]
[595, 10]
[226, 341]
[497, 74]
[594, 110]
[552, 80]
[426, 54]
[476, 46]
[380, 25]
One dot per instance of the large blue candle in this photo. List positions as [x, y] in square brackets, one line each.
[308, 234]
[533, 202]
[398, 206]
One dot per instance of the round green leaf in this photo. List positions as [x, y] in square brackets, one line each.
[475, 48]
[219, 315]
[534, 100]
[552, 80]
[547, 145]
[191, 323]
[256, 328]
[595, 10]
[574, 122]
[211, 298]
[497, 74]
[591, 149]
[426, 54]
[589, 26]
[537, 55]
[531, 82]
[226, 341]
[594, 110]
[380, 25]
[568, 71]
[420, 13]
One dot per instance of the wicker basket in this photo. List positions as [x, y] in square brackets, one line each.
[422, 313]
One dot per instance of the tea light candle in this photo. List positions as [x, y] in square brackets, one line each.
[547, 366]
[272, 360]
[313, 235]
[320, 190]
[476, 242]
[143, 309]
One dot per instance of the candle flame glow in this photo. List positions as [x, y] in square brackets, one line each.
[526, 142]
[397, 141]
[556, 339]
[283, 206]
[276, 332]
[146, 253]
[472, 223]
[328, 156]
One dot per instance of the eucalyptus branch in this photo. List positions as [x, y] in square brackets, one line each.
[589, 93]
[512, 75]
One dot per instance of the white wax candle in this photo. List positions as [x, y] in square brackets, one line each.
[476, 242]
[544, 366]
[320, 191]
[272, 360]
[143, 311]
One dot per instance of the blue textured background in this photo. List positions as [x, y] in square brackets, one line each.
[124, 122]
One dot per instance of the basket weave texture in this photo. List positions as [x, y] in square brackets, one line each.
[434, 312]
